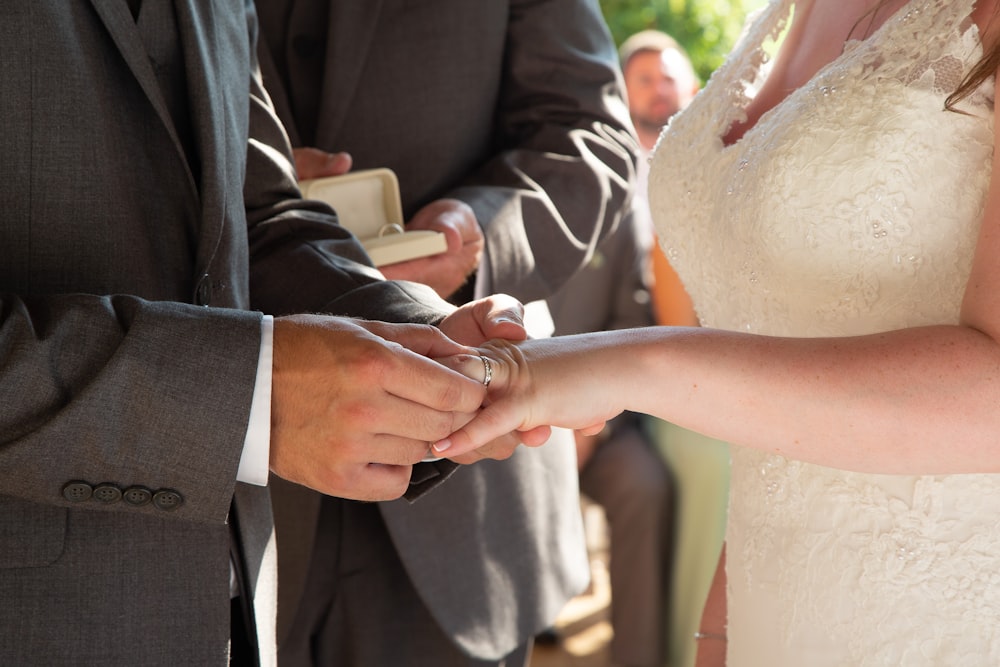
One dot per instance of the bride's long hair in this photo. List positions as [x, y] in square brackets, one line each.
[980, 72]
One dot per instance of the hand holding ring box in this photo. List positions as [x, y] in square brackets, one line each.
[367, 203]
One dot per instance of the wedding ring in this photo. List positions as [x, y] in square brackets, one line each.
[488, 369]
[391, 228]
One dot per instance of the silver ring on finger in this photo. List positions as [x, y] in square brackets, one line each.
[487, 370]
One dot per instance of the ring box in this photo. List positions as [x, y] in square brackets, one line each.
[367, 203]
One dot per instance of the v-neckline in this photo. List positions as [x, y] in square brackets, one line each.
[785, 15]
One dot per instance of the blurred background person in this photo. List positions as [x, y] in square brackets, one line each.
[660, 81]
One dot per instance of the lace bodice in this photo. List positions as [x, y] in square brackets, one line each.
[852, 207]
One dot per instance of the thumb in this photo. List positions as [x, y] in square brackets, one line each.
[505, 318]
[314, 163]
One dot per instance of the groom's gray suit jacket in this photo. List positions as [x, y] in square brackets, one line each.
[127, 359]
[514, 107]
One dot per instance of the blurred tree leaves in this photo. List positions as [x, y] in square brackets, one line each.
[706, 28]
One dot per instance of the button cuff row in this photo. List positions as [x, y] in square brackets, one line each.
[106, 494]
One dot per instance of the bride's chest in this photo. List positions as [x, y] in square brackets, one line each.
[856, 195]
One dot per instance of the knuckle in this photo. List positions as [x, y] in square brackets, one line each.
[500, 452]
[334, 481]
[452, 395]
[440, 425]
[388, 482]
[369, 360]
[357, 416]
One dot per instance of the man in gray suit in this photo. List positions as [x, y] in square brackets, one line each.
[148, 202]
[503, 120]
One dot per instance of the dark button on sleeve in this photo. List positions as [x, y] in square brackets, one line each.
[203, 295]
[77, 491]
[167, 500]
[107, 493]
[137, 495]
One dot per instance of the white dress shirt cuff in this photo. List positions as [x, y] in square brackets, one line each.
[255, 461]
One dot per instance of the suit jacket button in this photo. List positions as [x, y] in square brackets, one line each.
[167, 500]
[107, 493]
[77, 492]
[137, 495]
[204, 294]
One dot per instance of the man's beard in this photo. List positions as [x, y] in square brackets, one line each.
[651, 125]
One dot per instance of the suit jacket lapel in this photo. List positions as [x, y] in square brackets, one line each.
[352, 25]
[122, 28]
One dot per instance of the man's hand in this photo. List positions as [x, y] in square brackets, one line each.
[314, 163]
[447, 271]
[355, 404]
[497, 316]
[444, 272]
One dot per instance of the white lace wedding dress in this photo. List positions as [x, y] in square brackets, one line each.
[850, 208]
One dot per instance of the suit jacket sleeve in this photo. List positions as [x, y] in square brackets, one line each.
[563, 175]
[131, 392]
[302, 260]
[117, 389]
[124, 391]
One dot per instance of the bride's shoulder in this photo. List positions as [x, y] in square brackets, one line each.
[984, 14]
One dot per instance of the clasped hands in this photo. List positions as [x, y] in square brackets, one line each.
[355, 404]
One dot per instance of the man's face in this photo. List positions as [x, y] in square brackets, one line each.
[659, 85]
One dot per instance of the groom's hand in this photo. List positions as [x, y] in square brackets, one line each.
[314, 163]
[445, 272]
[498, 316]
[355, 404]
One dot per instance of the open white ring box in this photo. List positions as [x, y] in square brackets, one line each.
[367, 203]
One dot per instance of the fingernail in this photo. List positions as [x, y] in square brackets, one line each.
[441, 445]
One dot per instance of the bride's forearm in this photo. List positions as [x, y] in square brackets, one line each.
[923, 400]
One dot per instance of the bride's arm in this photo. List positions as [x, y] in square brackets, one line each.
[920, 400]
[924, 400]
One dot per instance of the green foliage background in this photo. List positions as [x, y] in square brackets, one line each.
[706, 28]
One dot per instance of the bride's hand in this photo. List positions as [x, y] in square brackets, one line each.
[496, 316]
[535, 384]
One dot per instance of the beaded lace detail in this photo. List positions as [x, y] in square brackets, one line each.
[852, 207]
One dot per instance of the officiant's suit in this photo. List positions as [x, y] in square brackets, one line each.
[516, 109]
[123, 418]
